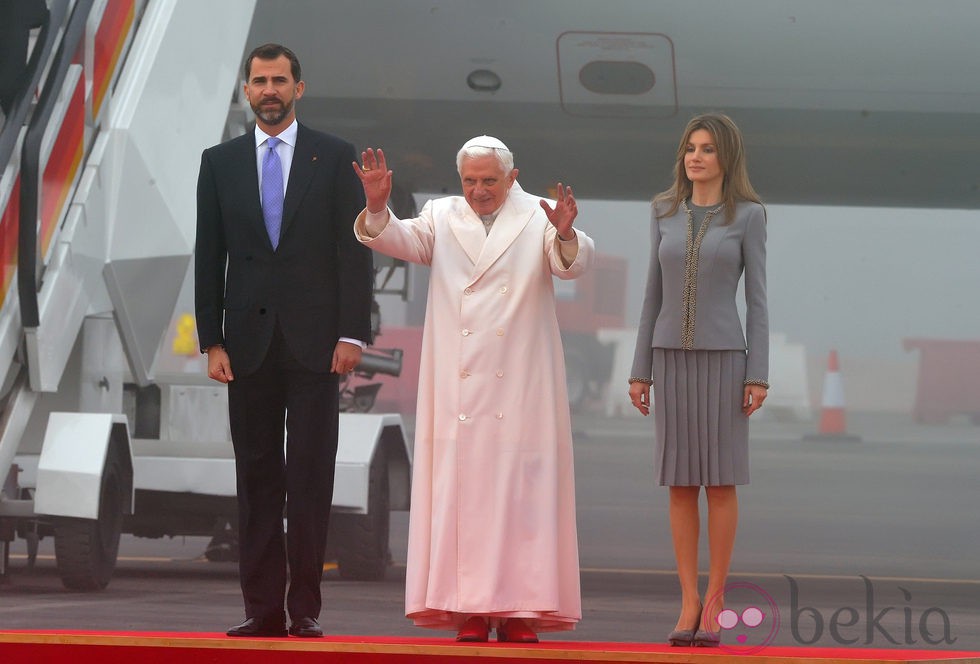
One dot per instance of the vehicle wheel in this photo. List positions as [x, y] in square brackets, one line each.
[362, 539]
[223, 547]
[86, 549]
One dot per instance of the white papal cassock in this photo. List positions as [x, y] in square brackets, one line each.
[492, 524]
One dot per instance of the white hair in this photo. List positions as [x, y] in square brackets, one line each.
[485, 146]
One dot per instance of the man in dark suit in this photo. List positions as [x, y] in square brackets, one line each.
[283, 299]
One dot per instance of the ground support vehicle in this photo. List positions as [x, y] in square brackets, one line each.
[96, 239]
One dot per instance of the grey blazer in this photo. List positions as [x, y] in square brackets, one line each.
[707, 318]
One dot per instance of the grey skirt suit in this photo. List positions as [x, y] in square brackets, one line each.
[690, 340]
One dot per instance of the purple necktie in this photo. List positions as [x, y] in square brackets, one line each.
[272, 191]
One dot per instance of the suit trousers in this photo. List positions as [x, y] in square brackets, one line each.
[283, 394]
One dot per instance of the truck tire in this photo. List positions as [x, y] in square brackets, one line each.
[223, 547]
[86, 549]
[362, 539]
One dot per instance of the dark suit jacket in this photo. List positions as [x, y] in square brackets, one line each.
[317, 284]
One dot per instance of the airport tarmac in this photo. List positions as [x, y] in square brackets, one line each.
[867, 544]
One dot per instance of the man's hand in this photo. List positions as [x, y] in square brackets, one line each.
[564, 212]
[640, 397]
[219, 365]
[346, 356]
[375, 178]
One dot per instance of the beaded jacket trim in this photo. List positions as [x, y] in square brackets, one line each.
[690, 300]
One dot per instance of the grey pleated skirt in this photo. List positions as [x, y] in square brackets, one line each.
[702, 435]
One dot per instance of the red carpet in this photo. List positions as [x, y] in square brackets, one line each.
[168, 647]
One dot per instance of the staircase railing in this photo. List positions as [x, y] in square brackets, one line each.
[28, 270]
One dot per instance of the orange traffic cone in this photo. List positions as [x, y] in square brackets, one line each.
[833, 421]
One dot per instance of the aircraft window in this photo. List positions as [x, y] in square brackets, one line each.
[620, 78]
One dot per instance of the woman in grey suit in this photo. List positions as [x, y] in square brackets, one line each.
[707, 376]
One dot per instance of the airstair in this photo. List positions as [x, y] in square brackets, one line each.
[97, 212]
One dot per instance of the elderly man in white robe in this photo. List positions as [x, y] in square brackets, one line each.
[492, 542]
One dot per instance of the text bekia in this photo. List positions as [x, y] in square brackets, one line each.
[846, 628]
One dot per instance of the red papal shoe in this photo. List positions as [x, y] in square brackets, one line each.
[515, 630]
[474, 630]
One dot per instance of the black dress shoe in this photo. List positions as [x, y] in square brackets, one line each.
[259, 627]
[306, 627]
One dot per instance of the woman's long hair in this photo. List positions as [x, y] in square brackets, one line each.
[731, 157]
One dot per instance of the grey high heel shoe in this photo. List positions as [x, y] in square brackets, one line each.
[684, 637]
[705, 639]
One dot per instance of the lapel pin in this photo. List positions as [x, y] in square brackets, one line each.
[314, 157]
